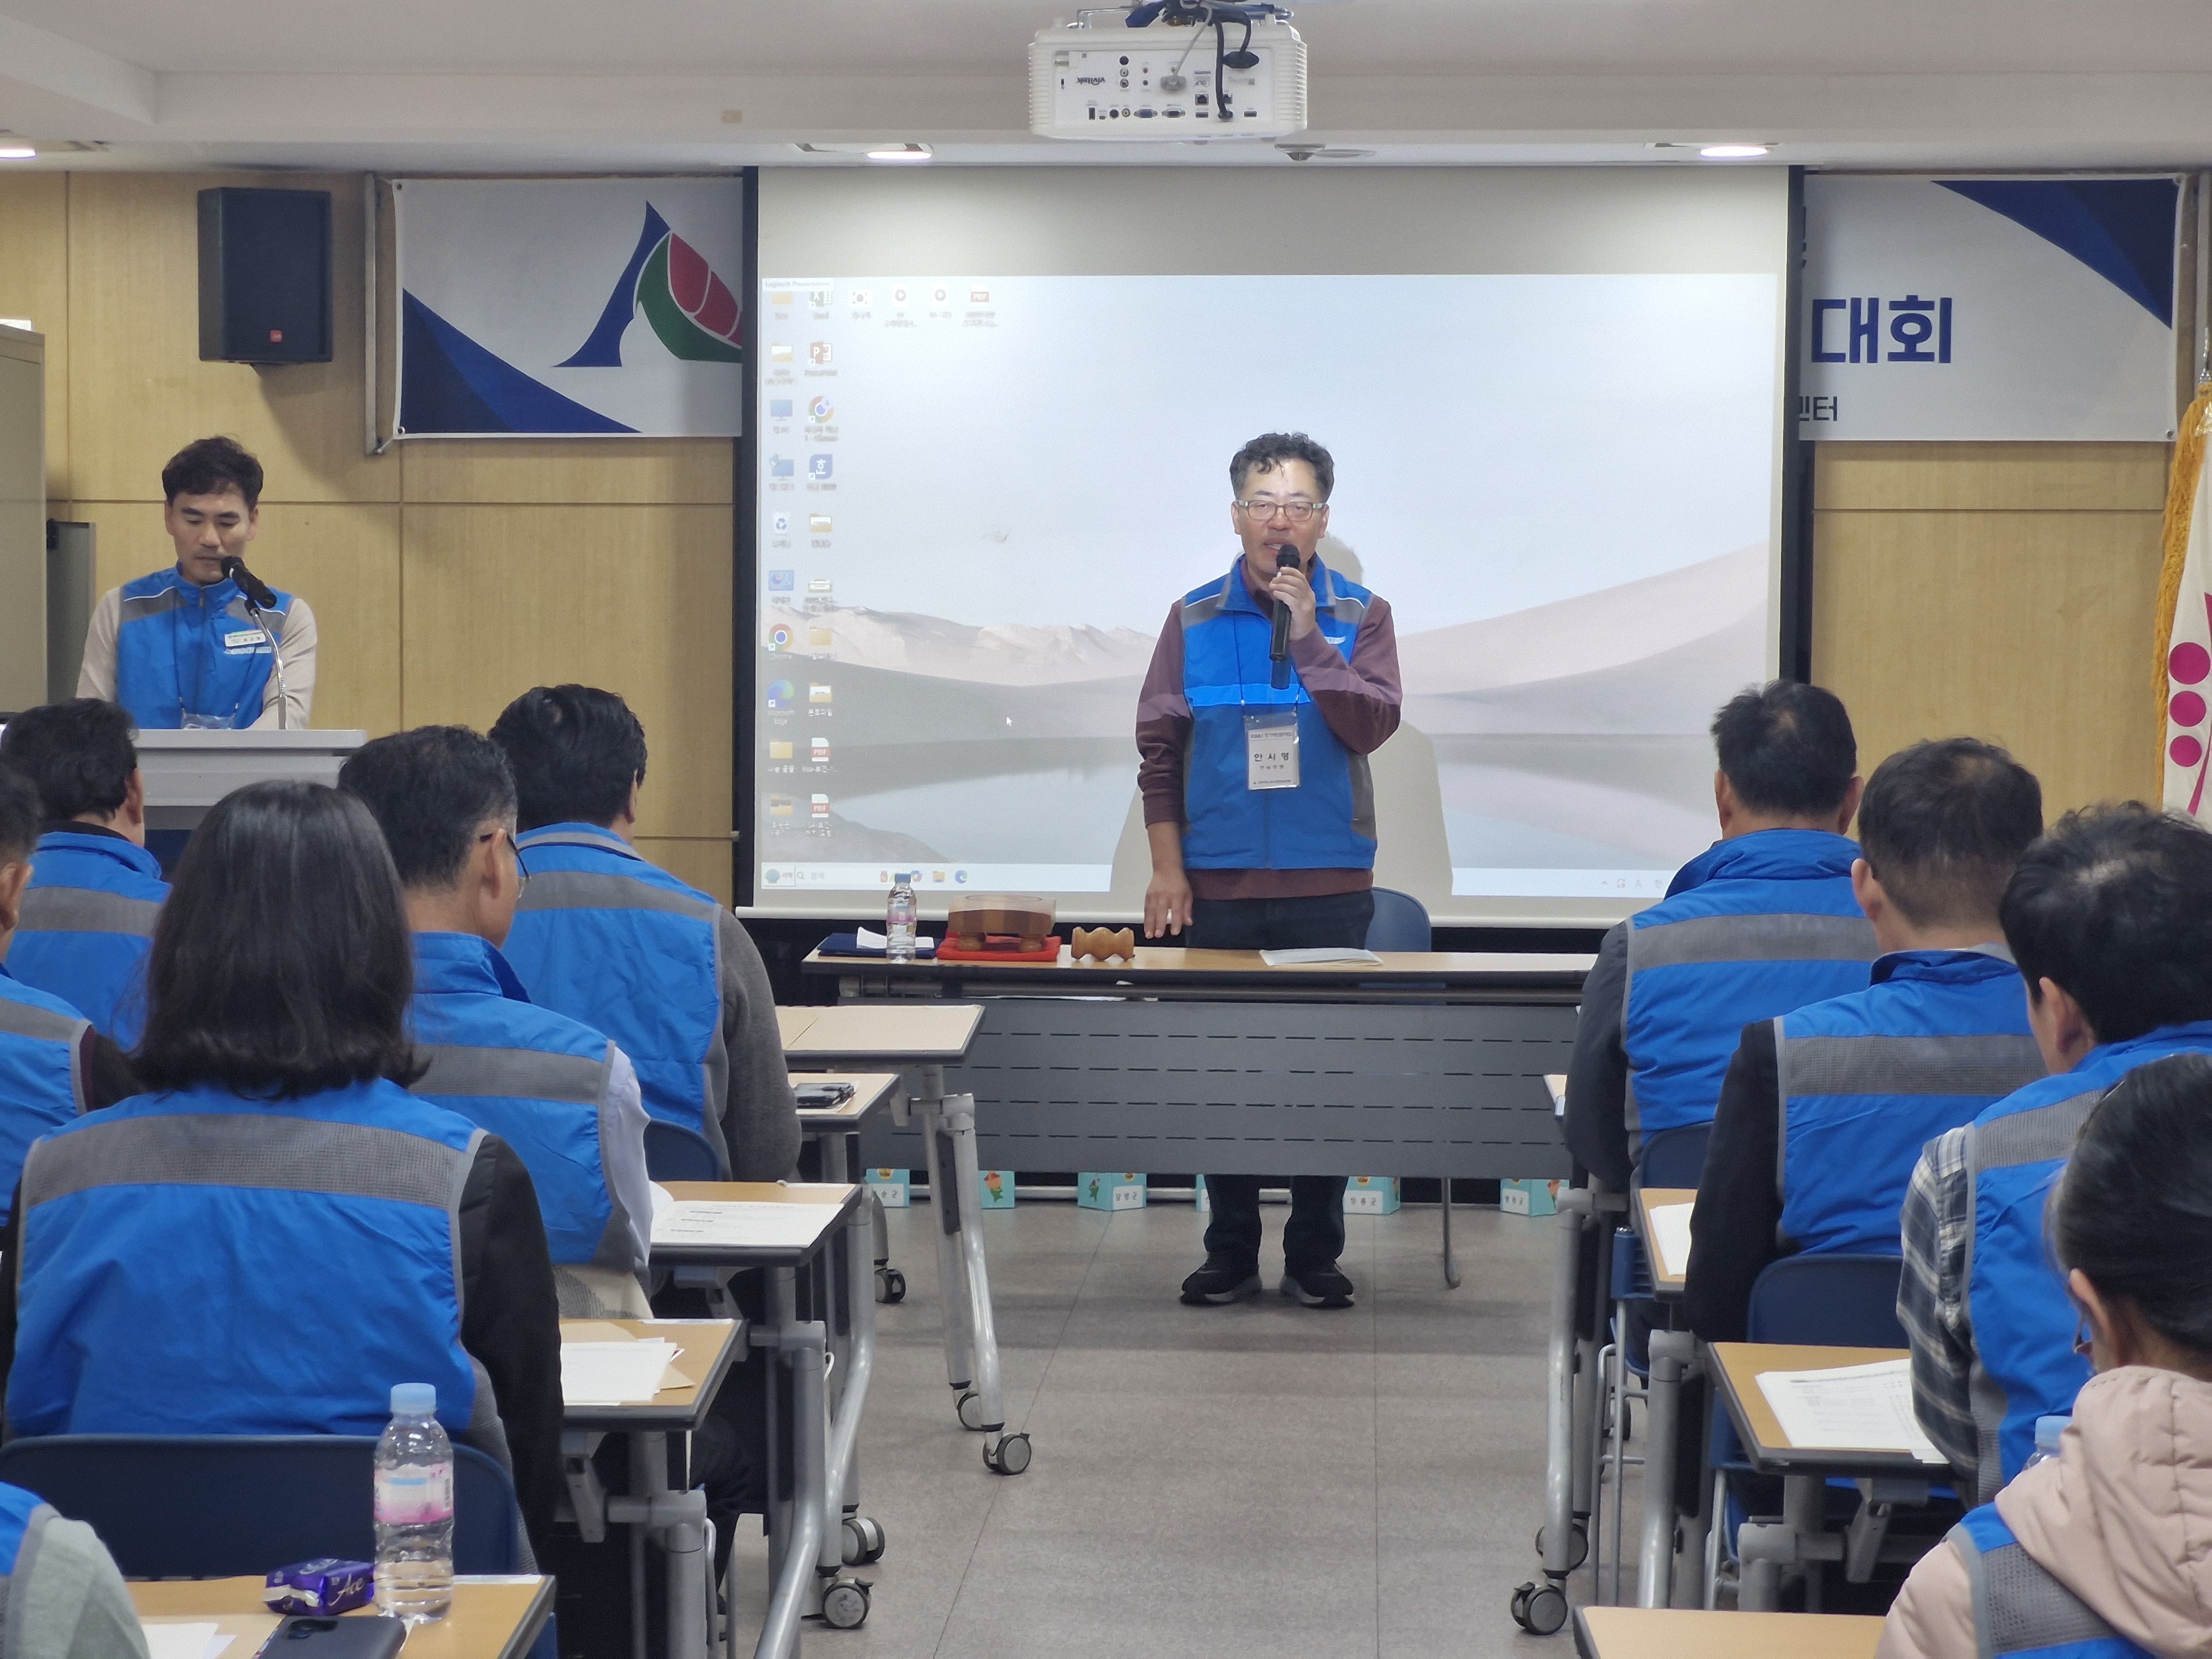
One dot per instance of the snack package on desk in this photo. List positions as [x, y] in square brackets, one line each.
[325, 1585]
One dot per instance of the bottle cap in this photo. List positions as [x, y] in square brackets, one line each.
[2047, 1431]
[414, 1399]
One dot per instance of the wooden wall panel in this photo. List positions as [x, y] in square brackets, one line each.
[705, 863]
[1990, 477]
[634, 598]
[34, 286]
[139, 389]
[642, 471]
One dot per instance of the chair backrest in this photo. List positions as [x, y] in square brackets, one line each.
[1673, 1157]
[1849, 1301]
[1401, 922]
[674, 1152]
[222, 1506]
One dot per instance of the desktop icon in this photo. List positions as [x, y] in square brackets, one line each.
[779, 409]
[817, 639]
[938, 295]
[780, 524]
[821, 353]
[771, 876]
[780, 807]
[820, 411]
[979, 296]
[781, 582]
[898, 295]
[818, 752]
[779, 749]
[778, 639]
[937, 876]
[960, 877]
[779, 351]
[781, 466]
[817, 524]
[817, 693]
[861, 297]
[817, 806]
[782, 693]
[818, 584]
[818, 297]
[778, 298]
[820, 465]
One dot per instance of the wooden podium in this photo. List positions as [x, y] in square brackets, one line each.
[188, 772]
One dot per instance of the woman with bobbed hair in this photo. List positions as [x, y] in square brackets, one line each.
[2106, 1549]
[277, 1231]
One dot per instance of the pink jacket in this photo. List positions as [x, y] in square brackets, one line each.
[2123, 1518]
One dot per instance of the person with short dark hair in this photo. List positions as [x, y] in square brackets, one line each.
[1762, 922]
[278, 1231]
[2099, 1551]
[88, 917]
[180, 646]
[606, 937]
[2109, 919]
[1825, 1109]
[1259, 808]
[555, 1089]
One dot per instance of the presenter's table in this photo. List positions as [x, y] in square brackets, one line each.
[491, 1618]
[188, 772]
[1690, 1633]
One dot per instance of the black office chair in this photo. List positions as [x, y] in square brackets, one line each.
[674, 1152]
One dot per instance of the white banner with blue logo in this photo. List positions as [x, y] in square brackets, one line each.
[1988, 307]
[570, 306]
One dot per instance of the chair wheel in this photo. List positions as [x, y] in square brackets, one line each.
[845, 1604]
[1009, 1454]
[890, 1285]
[971, 1408]
[1540, 1609]
[864, 1540]
[1577, 1545]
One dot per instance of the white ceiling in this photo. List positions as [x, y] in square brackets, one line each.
[564, 84]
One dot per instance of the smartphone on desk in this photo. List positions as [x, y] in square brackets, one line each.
[311, 1638]
[822, 1097]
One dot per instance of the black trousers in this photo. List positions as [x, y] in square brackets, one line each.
[1314, 1236]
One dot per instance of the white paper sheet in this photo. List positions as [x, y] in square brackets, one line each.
[1850, 1408]
[193, 1639]
[765, 1226]
[1670, 1237]
[1319, 953]
[1556, 1082]
[616, 1373]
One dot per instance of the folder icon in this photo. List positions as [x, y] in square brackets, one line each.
[779, 749]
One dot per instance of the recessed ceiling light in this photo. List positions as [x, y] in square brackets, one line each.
[1732, 152]
[17, 153]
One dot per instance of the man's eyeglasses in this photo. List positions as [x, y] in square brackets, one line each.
[1295, 512]
[521, 870]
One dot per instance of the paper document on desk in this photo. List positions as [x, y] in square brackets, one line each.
[1556, 1084]
[1319, 953]
[1670, 1237]
[761, 1226]
[183, 1638]
[1850, 1408]
[617, 1373]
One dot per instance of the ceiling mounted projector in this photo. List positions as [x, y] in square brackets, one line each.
[1170, 69]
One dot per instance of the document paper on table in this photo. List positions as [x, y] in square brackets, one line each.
[761, 1226]
[1313, 954]
[617, 1373]
[1850, 1408]
[199, 1638]
[1670, 1237]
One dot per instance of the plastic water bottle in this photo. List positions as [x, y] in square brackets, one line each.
[2047, 1431]
[899, 919]
[413, 1509]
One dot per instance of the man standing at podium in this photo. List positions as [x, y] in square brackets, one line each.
[183, 647]
[1268, 690]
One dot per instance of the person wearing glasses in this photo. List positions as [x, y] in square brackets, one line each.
[2109, 919]
[1258, 805]
[557, 1091]
[2099, 1551]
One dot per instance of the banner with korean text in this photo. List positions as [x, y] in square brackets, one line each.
[1988, 307]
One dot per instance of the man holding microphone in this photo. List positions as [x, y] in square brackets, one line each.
[1257, 800]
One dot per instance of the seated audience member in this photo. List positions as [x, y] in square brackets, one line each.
[88, 918]
[53, 1065]
[1825, 1110]
[558, 1092]
[62, 1595]
[1762, 923]
[278, 1232]
[2100, 1552]
[606, 937]
[2109, 919]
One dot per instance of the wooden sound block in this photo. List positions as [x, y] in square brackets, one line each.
[1102, 943]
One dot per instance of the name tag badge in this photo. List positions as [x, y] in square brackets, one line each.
[1270, 750]
[247, 640]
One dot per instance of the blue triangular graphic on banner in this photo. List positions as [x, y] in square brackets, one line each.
[604, 349]
[451, 384]
[2121, 228]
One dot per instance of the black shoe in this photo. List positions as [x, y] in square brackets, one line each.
[1221, 1279]
[1319, 1285]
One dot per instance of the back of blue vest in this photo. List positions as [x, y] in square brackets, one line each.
[2024, 1366]
[1869, 1080]
[1753, 928]
[2020, 1607]
[87, 925]
[41, 1081]
[325, 1232]
[610, 940]
[184, 649]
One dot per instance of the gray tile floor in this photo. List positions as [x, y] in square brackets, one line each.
[1261, 1479]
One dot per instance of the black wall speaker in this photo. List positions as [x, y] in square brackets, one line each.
[265, 276]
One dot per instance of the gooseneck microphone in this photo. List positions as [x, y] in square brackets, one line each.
[259, 593]
[261, 598]
[1279, 647]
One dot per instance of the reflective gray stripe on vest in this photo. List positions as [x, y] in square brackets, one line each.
[87, 910]
[586, 889]
[12, 1601]
[1766, 937]
[44, 1025]
[150, 605]
[2018, 1607]
[2031, 1137]
[527, 1073]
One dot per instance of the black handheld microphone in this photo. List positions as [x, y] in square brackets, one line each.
[258, 593]
[1279, 647]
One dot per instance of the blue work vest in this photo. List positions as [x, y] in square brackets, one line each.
[1869, 1080]
[41, 1076]
[1751, 928]
[183, 648]
[2024, 1366]
[2021, 1608]
[1327, 823]
[535, 1078]
[193, 1263]
[607, 939]
[87, 925]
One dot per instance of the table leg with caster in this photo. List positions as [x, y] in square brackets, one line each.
[890, 1283]
[799, 1347]
[949, 1203]
[1003, 1453]
[1451, 1267]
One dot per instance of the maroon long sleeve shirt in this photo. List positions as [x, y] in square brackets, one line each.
[1359, 699]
